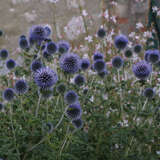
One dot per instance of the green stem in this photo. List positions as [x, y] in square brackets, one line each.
[38, 104]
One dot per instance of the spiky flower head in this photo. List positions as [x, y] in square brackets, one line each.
[21, 87]
[51, 47]
[37, 34]
[121, 41]
[63, 46]
[146, 54]
[117, 62]
[78, 123]
[74, 111]
[45, 77]
[137, 48]
[154, 56]
[10, 64]
[23, 43]
[103, 73]
[48, 30]
[142, 70]
[61, 88]
[97, 55]
[149, 93]
[36, 64]
[70, 62]
[128, 53]
[71, 97]
[85, 63]
[99, 65]
[101, 33]
[46, 55]
[8, 94]
[79, 80]
[3, 54]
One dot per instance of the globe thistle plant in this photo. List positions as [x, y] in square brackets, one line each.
[37, 34]
[149, 93]
[117, 62]
[146, 55]
[78, 123]
[23, 43]
[51, 47]
[48, 30]
[137, 48]
[70, 97]
[101, 33]
[70, 63]
[85, 63]
[79, 80]
[21, 87]
[142, 70]
[63, 46]
[8, 94]
[61, 88]
[154, 56]
[4, 54]
[97, 56]
[103, 73]
[10, 64]
[121, 41]
[45, 93]
[36, 65]
[74, 111]
[128, 53]
[99, 65]
[46, 55]
[45, 77]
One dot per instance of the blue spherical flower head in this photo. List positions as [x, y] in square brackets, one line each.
[61, 88]
[117, 62]
[37, 35]
[46, 55]
[101, 33]
[85, 63]
[99, 65]
[121, 41]
[74, 111]
[128, 53]
[142, 70]
[63, 46]
[137, 48]
[4, 54]
[154, 56]
[79, 80]
[45, 77]
[70, 63]
[21, 87]
[78, 123]
[48, 30]
[10, 64]
[23, 43]
[149, 93]
[8, 94]
[36, 64]
[51, 47]
[103, 73]
[71, 97]
[146, 54]
[97, 56]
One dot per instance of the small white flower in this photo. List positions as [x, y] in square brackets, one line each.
[89, 39]
[84, 13]
[155, 9]
[113, 18]
[132, 34]
[158, 13]
[139, 25]
[106, 14]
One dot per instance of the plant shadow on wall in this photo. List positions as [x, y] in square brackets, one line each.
[66, 104]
